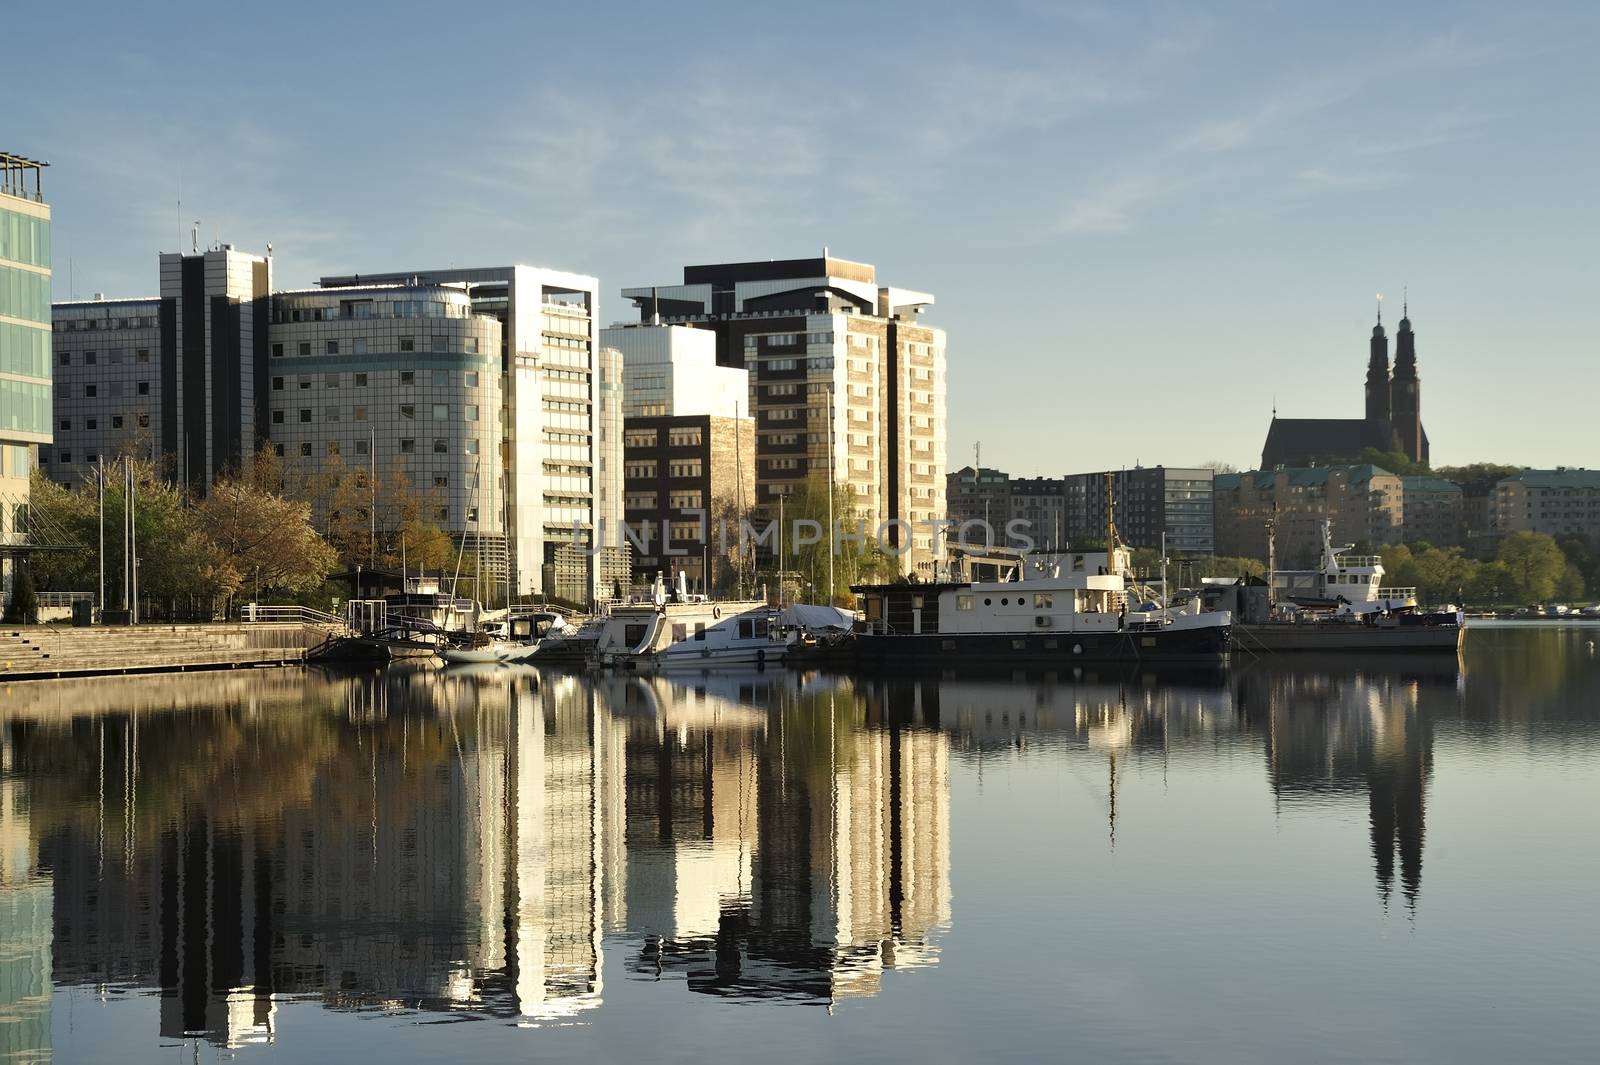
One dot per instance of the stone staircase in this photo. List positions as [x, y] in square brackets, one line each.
[38, 651]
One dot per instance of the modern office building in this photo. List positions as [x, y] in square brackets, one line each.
[1561, 502]
[395, 379]
[25, 411]
[107, 385]
[214, 324]
[551, 420]
[1364, 503]
[845, 381]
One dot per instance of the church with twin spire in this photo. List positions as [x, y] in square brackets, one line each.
[1393, 420]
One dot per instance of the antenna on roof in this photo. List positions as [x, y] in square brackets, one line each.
[1405, 301]
[1380, 308]
[194, 238]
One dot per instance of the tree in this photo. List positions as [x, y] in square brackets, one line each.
[267, 539]
[860, 557]
[23, 609]
[1535, 563]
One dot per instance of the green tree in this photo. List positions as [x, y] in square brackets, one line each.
[23, 607]
[805, 512]
[1535, 562]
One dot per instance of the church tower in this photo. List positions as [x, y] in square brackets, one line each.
[1378, 375]
[1405, 394]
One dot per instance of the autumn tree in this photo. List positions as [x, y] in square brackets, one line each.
[269, 539]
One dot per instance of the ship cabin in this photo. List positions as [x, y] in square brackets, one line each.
[1066, 592]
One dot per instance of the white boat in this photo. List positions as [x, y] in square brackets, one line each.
[1345, 585]
[684, 631]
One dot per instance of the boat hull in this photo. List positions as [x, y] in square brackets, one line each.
[1349, 639]
[1198, 645]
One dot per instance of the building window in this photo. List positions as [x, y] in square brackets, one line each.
[441, 411]
[685, 500]
[472, 378]
[331, 380]
[142, 355]
[408, 377]
[407, 445]
[437, 343]
[277, 353]
[116, 421]
[144, 421]
[64, 456]
[277, 449]
[964, 602]
[331, 348]
[88, 358]
[66, 424]
[359, 414]
[441, 445]
[305, 448]
[359, 345]
[472, 446]
[441, 379]
[89, 391]
[441, 481]
[639, 438]
[330, 414]
[361, 447]
[305, 347]
[277, 384]
[472, 412]
[303, 382]
[305, 414]
[361, 380]
[443, 514]
[333, 447]
[639, 469]
[685, 468]
[684, 437]
[277, 417]
[472, 513]
[65, 358]
[472, 345]
[408, 343]
[408, 412]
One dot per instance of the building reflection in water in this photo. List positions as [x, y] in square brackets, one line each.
[485, 841]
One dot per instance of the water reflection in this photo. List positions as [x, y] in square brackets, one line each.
[485, 841]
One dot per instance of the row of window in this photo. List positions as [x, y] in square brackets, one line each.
[24, 238]
[408, 412]
[360, 309]
[92, 391]
[358, 346]
[440, 379]
[114, 356]
[675, 468]
[1041, 600]
[90, 325]
[141, 419]
[24, 350]
[24, 294]
[685, 500]
[776, 340]
[691, 437]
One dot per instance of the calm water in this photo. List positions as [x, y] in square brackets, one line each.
[1309, 862]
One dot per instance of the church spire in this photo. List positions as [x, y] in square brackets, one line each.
[1378, 372]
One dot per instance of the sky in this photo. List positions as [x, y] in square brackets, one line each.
[1145, 224]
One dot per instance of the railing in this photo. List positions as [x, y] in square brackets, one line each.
[272, 614]
[1357, 561]
[54, 600]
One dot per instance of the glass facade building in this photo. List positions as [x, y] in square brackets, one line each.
[24, 341]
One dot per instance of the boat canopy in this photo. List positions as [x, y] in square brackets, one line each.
[815, 617]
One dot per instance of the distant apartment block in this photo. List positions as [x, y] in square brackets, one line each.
[25, 410]
[977, 494]
[843, 377]
[673, 369]
[1362, 502]
[1151, 502]
[1561, 503]
[107, 385]
[1434, 510]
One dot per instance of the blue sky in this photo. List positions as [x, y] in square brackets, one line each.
[1144, 222]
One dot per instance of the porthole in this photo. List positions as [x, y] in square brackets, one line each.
[1005, 602]
[987, 601]
[1077, 648]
